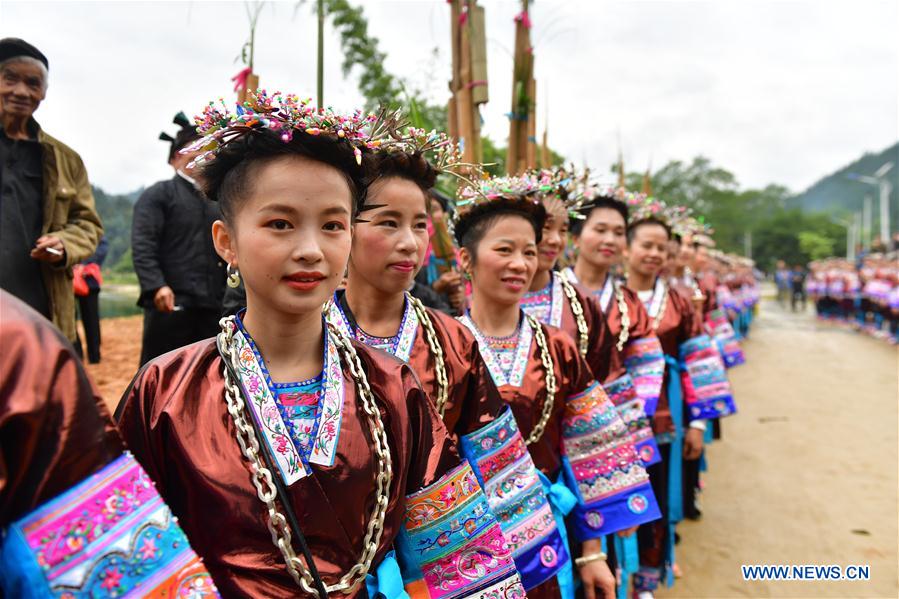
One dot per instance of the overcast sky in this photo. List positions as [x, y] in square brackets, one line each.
[774, 91]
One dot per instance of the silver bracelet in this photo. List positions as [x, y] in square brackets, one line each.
[587, 559]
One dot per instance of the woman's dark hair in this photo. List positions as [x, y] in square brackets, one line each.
[474, 224]
[441, 199]
[649, 220]
[577, 224]
[228, 178]
[180, 141]
[412, 167]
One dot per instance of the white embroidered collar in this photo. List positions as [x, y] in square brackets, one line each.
[516, 376]
[257, 387]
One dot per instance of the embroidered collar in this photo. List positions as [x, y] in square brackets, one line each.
[400, 345]
[258, 388]
[604, 295]
[556, 299]
[525, 337]
[654, 304]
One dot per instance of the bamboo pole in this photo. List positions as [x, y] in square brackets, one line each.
[519, 154]
[531, 141]
[452, 115]
[464, 105]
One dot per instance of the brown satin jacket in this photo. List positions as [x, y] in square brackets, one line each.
[54, 428]
[175, 420]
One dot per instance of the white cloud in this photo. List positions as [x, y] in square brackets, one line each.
[775, 91]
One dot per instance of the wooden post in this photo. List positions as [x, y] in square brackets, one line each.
[252, 84]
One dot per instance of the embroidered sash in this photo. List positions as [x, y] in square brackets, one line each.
[111, 535]
[517, 497]
[452, 546]
[603, 467]
[708, 393]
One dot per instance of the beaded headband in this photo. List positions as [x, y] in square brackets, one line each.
[471, 194]
[439, 149]
[286, 115]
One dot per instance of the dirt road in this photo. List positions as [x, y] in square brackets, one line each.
[807, 471]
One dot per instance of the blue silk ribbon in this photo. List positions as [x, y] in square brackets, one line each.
[675, 462]
[628, 556]
[387, 581]
[562, 501]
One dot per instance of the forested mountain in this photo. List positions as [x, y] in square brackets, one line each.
[838, 194]
[115, 212]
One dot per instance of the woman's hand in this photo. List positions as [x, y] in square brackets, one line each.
[597, 576]
[447, 282]
[693, 443]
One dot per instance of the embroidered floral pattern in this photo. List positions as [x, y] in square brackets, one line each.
[515, 493]
[602, 461]
[517, 361]
[645, 362]
[286, 447]
[630, 407]
[400, 345]
[451, 532]
[110, 535]
[546, 304]
[707, 392]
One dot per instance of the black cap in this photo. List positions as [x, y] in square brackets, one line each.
[186, 135]
[13, 47]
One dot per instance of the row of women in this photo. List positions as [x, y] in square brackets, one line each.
[339, 438]
[864, 296]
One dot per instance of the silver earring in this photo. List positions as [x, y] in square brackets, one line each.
[233, 276]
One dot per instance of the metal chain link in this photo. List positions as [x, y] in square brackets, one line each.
[551, 389]
[436, 352]
[625, 331]
[577, 309]
[662, 306]
[262, 476]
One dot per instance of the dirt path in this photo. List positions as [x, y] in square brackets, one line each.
[807, 472]
[119, 356]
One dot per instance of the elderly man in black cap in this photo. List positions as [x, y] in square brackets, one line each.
[182, 279]
[48, 222]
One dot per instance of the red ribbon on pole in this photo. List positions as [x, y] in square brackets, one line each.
[524, 19]
[240, 79]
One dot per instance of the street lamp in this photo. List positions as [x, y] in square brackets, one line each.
[879, 180]
[851, 232]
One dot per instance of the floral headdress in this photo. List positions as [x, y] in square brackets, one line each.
[590, 190]
[442, 152]
[693, 226]
[286, 115]
[486, 190]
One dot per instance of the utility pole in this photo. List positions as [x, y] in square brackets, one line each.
[866, 222]
[885, 188]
